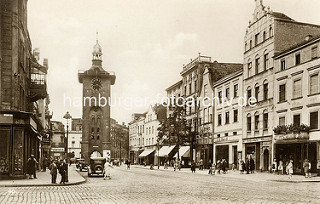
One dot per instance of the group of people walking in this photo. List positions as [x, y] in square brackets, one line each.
[287, 168]
[62, 168]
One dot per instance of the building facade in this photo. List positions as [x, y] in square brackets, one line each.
[75, 137]
[95, 116]
[297, 97]
[22, 92]
[119, 141]
[228, 118]
[58, 141]
[267, 34]
[136, 135]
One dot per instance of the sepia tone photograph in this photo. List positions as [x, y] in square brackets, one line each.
[149, 101]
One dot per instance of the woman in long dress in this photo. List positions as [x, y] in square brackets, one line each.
[107, 170]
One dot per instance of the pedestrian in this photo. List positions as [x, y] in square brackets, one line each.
[210, 167]
[252, 165]
[224, 166]
[233, 167]
[193, 167]
[307, 168]
[53, 171]
[32, 164]
[44, 164]
[248, 165]
[201, 164]
[166, 164]
[242, 167]
[128, 163]
[290, 169]
[107, 169]
[280, 167]
[218, 166]
[274, 166]
[63, 171]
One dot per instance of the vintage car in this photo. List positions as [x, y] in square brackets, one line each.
[96, 166]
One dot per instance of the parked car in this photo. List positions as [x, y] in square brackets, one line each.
[78, 162]
[83, 166]
[96, 166]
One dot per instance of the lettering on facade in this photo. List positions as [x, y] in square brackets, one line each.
[300, 136]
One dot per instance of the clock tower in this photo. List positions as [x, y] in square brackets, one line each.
[96, 112]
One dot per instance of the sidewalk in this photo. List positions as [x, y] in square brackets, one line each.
[257, 176]
[44, 179]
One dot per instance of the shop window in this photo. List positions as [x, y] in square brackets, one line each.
[314, 120]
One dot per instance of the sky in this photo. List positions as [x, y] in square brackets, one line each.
[145, 42]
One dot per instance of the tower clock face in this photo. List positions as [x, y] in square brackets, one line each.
[96, 84]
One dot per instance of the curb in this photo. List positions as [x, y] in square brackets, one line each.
[295, 181]
[33, 185]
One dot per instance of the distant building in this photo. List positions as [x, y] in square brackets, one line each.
[75, 137]
[58, 140]
[119, 141]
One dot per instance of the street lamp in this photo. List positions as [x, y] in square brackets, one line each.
[67, 116]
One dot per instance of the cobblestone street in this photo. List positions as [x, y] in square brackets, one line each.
[145, 186]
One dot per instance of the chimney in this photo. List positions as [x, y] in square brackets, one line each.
[45, 62]
[36, 53]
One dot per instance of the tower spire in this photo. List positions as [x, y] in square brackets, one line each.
[97, 52]
[97, 37]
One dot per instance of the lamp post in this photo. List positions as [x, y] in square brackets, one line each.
[67, 116]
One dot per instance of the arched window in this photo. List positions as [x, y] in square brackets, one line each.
[265, 119]
[249, 93]
[248, 122]
[256, 91]
[264, 35]
[249, 68]
[270, 32]
[265, 90]
[256, 121]
[250, 44]
[245, 46]
[265, 60]
[257, 64]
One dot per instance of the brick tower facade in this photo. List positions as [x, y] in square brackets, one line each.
[96, 116]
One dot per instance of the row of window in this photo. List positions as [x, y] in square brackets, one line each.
[297, 88]
[258, 39]
[256, 121]
[314, 124]
[257, 88]
[227, 117]
[227, 92]
[297, 58]
[258, 64]
[227, 134]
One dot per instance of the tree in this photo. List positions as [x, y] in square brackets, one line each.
[175, 130]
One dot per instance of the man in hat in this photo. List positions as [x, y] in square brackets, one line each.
[32, 163]
[53, 171]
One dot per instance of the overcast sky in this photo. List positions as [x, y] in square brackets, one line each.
[145, 42]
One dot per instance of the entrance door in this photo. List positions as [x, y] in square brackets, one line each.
[266, 160]
[222, 152]
[4, 151]
[312, 156]
[235, 155]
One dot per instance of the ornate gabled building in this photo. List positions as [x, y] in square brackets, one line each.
[96, 112]
[267, 34]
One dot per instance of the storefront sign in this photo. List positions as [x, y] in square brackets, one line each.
[57, 149]
[252, 140]
[291, 136]
[6, 118]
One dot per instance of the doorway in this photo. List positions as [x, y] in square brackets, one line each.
[266, 160]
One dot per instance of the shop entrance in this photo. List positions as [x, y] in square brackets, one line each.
[222, 152]
[266, 160]
[254, 151]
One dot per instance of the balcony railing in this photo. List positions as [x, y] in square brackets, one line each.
[196, 61]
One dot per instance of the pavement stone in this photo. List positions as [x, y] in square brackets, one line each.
[44, 179]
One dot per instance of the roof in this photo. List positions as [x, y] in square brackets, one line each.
[281, 16]
[298, 45]
[174, 85]
[220, 70]
[228, 77]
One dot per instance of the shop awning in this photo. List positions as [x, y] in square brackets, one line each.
[184, 151]
[165, 151]
[146, 152]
